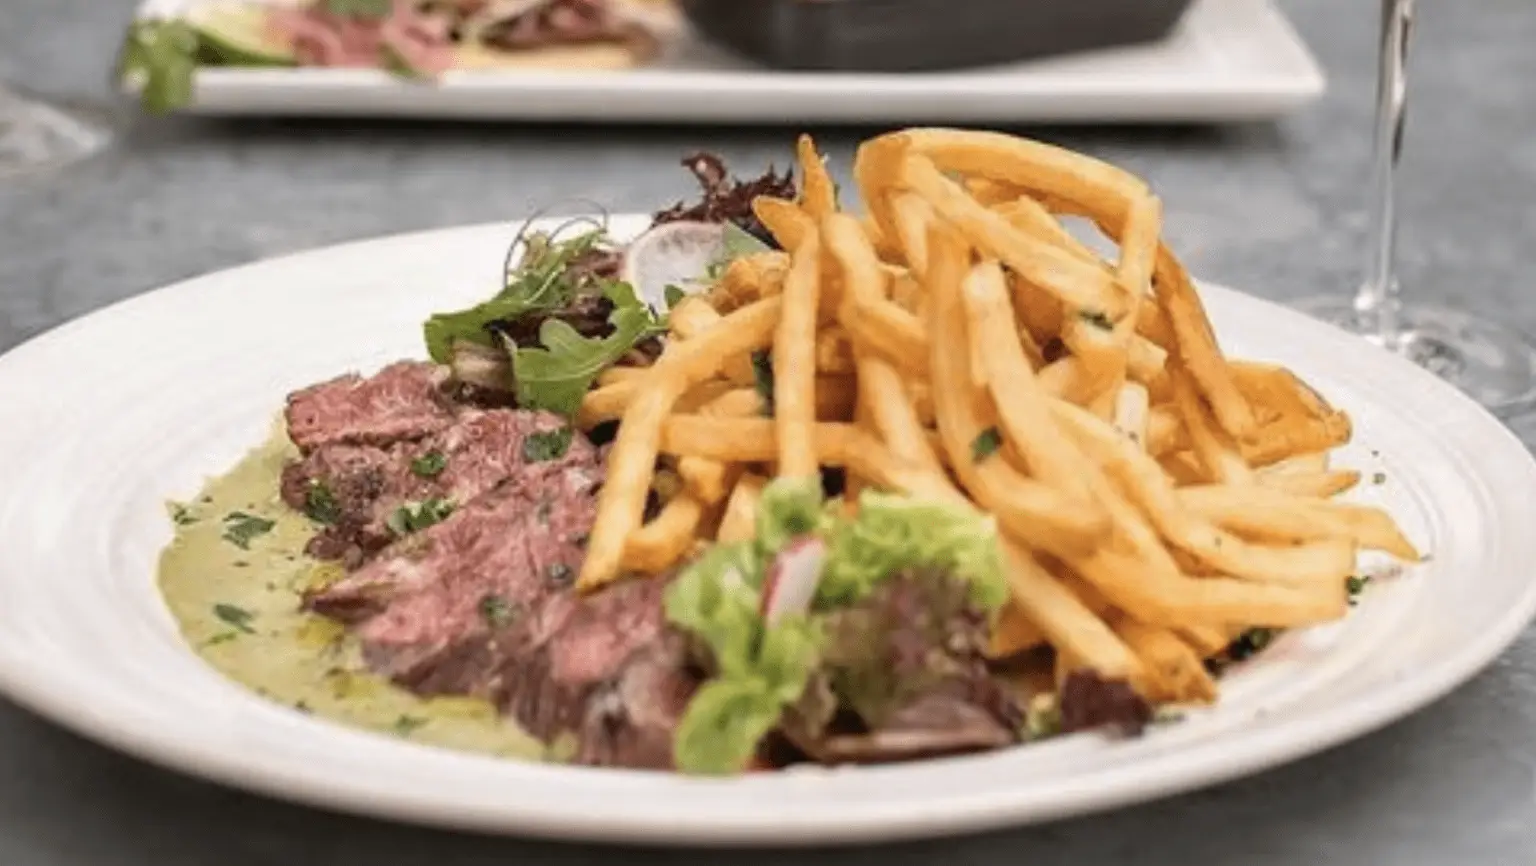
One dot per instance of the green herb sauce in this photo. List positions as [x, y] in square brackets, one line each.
[239, 609]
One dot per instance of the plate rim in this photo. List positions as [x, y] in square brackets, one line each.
[1313, 732]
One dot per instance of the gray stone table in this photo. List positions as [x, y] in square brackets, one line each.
[1274, 209]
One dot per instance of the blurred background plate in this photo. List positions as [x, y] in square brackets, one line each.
[1227, 60]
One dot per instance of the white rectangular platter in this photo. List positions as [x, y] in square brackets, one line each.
[1228, 60]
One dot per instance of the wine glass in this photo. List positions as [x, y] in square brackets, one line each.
[1490, 360]
[38, 135]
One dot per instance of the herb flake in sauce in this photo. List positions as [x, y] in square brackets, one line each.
[547, 445]
[236, 616]
[986, 444]
[241, 527]
[429, 465]
[416, 516]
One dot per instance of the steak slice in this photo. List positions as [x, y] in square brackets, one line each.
[502, 552]
[401, 402]
[359, 487]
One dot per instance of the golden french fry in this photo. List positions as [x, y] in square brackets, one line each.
[615, 375]
[1022, 406]
[691, 316]
[632, 457]
[1319, 484]
[747, 279]
[818, 194]
[1034, 513]
[662, 543]
[1131, 414]
[1174, 671]
[1275, 515]
[913, 216]
[1013, 633]
[1207, 640]
[794, 362]
[869, 317]
[1216, 450]
[739, 523]
[788, 224]
[1069, 625]
[1323, 560]
[1081, 286]
[834, 351]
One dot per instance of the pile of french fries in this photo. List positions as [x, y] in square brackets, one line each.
[1155, 499]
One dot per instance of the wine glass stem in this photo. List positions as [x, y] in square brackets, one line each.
[1377, 301]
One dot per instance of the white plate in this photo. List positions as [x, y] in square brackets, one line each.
[111, 415]
[1228, 60]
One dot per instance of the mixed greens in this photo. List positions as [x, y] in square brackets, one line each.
[763, 662]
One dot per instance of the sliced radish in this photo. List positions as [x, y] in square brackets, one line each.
[792, 578]
[672, 254]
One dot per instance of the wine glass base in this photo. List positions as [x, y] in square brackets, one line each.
[37, 136]
[1491, 362]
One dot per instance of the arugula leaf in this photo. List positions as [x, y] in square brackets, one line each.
[164, 54]
[674, 295]
[541, 281]
[320, 503]
[556, 375]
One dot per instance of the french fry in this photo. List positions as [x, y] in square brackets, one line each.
[794, 362]
[1216, 450]
[1175, 672]
[1280, 517]
[818, 195]
[691, 316]
[1081, 286]
[739, 523]
[1321, 560]
[660, 544]
[913, 216]
[632, 457]
[1036, 514]
[1132, 413]
[788, 224]
[1013, 633]
[1319, 484]
[1065, 620]
[747, 279]
[1021, 404]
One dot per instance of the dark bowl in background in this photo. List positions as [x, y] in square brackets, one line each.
[924, 35]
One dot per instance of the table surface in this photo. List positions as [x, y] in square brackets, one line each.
[1274, 209]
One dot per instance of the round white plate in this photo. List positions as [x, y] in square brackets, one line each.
[109, 416]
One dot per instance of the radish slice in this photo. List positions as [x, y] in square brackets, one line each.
[792, 578]
[672, 254]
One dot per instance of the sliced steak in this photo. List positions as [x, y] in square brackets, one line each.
[355, 490]
[506, 549]
[404, 401]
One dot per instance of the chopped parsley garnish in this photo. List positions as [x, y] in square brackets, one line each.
[416, 516]
[986, 444]
[546, 445]
[181, 515]
[1250, 643]
[559, 572]
[221, 637]
[1356, 585]
[674, 295]
[240, 528]
[320, 503]
[1379, 478]
[429, 465]
[235, 616]
[495, 611]
[762, 378]
[1097, 318]
[406, 725]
